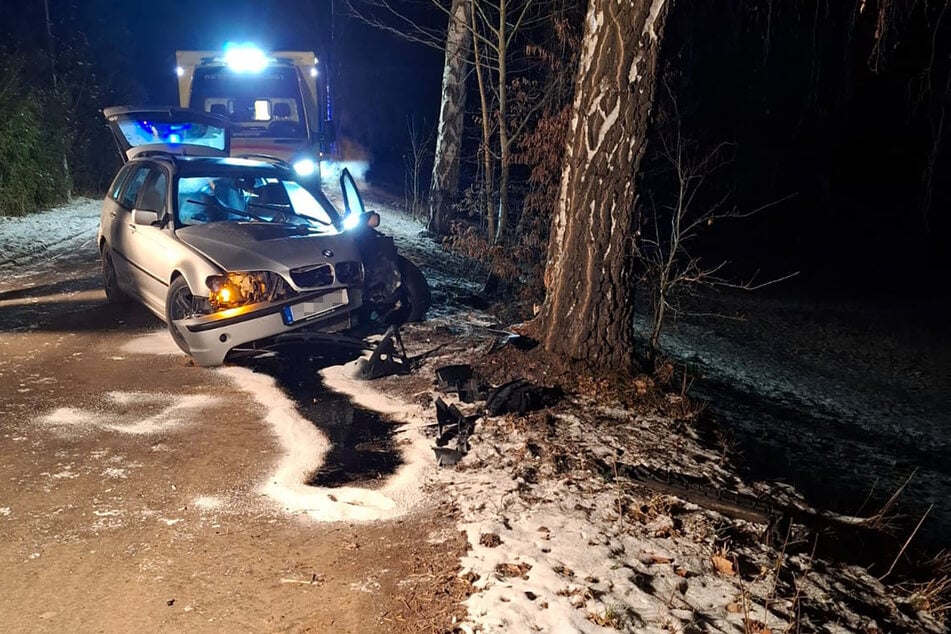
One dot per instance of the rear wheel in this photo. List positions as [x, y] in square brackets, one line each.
[110, 281]
[179, 304]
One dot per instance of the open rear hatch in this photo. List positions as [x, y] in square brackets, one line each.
[146, 130]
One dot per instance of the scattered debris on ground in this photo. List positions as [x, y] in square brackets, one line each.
[587, 508]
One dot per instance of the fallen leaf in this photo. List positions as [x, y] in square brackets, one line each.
[723, 565]
[755, 627]
[734, 607]
[513, 570]
[657, 559]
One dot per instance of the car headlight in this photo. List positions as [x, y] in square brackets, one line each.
[245, 287]
[351, 222]
[368, 219]
[305, 167]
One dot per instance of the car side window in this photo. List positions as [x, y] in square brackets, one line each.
[155, 193]
[120, 179]
[132, 186]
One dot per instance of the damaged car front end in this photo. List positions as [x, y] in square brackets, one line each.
[234, 254]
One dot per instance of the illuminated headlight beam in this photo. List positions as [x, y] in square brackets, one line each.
[305, 167]
[351, 221]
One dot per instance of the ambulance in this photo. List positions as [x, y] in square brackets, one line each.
[273, 100]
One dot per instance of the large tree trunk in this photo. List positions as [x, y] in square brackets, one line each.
[588, 314]
[445, 181]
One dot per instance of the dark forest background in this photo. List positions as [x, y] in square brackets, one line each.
[843, 108]
[837, 108]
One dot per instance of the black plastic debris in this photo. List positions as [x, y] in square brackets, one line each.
[515, 340]
[459, 379]
[446, 457]
[451, 376]
[386, 358]
[518, 396]
[452, 424]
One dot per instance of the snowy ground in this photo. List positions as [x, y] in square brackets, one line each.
[29, 243]
[555, 544]
[848, 390]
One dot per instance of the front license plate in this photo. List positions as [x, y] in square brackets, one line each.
[312, 308]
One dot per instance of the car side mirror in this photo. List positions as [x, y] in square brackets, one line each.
[144, 217]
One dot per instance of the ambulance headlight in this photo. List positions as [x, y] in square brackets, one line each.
[305, 167]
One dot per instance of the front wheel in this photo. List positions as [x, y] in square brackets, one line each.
[179, 304]
[415, 293]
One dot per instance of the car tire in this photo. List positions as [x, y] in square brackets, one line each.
[110, 280]
[415, 291]
[178, 305]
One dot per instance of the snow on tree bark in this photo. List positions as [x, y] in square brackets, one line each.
[445, 181]
[589, 306]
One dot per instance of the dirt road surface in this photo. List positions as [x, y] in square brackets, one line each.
[131, 492]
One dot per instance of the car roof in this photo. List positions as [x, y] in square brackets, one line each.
[203, 165]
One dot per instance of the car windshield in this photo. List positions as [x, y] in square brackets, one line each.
[231, 198]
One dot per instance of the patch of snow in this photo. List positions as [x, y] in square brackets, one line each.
[49, 234]
[5, 511]
[370, 586]
[441, 536]
[208, 503]
[158, 342]
[123, 413]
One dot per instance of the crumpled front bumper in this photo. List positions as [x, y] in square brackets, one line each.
[211, 337]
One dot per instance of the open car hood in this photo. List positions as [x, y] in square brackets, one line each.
[168, 130]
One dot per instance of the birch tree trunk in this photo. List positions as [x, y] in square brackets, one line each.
[588, 311]
[445, 181]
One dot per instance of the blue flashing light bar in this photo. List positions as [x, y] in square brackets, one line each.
[245, 58]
